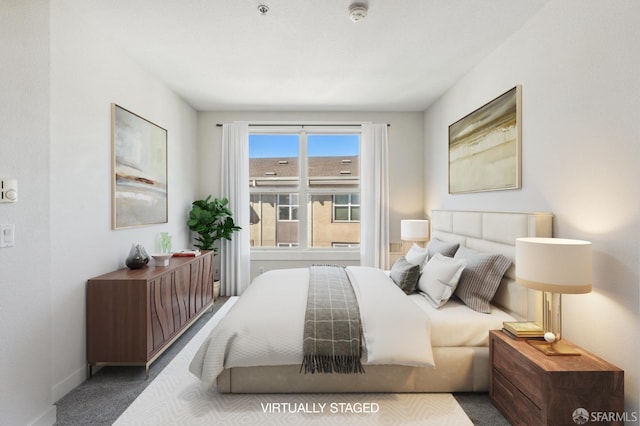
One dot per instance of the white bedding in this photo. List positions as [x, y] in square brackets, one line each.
[454, 324]
[265, 326]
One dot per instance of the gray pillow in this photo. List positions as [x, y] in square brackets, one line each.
[480, 278]
[405, 275]
[442, 247]
[417, 256]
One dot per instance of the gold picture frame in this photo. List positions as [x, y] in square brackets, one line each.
[485, 146]
[139, 170]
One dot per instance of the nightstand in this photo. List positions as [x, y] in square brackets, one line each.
[530, 388]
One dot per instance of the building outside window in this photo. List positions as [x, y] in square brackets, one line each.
[305, 189]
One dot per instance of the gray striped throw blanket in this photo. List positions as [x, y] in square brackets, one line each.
[332, 329]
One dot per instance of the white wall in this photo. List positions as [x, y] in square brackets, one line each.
[405, 160]
[578, 62]
[87, 75]
[57, 81]
[25, 285]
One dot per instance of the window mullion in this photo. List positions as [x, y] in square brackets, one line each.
[303, 225]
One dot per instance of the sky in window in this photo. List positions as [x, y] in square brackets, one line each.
[274, 146]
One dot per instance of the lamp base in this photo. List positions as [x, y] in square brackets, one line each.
[554, 349]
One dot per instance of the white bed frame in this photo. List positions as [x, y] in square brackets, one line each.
[458, 369]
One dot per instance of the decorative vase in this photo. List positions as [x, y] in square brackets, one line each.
[138, 257]
[165, 242]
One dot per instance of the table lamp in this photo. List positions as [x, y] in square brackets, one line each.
[414, 230]
[554, 266]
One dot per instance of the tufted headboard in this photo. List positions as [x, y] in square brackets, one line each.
[496, 232]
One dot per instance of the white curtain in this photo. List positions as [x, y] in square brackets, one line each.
[374, 196]
[235, 255]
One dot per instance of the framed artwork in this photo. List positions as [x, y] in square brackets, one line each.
[139, 163]
[485, 146]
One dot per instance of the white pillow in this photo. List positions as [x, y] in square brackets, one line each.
[440, 278]
[417, 256]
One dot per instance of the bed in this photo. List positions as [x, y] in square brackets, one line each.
[456, 360]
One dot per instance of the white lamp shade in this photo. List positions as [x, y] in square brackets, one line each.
[414, 230]
[556, 265]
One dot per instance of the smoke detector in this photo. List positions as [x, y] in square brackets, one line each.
[357, 12]
[263, 9]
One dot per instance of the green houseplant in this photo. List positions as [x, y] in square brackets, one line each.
[212, 220]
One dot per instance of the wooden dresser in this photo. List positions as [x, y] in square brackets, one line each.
[133, 315]
[531, 388]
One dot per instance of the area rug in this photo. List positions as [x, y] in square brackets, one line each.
[176, 397]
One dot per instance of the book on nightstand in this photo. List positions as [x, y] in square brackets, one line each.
[523, 329]
[514, 337]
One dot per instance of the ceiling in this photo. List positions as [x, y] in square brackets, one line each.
[307, 55]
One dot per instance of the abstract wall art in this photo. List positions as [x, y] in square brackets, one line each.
[139, 163]
[485, 146]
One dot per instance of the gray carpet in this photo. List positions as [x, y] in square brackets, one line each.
[101, 400]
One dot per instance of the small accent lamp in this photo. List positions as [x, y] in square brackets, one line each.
[414, 230]
[554, 266]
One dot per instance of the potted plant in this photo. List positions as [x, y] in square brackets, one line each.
[212, 221]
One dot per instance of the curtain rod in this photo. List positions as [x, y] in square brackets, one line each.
[301, 125]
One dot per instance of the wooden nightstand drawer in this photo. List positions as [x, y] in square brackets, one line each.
[522, 373]
[510, 400]
[531, 388]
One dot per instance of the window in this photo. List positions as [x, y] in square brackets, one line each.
[305, 188]
[346, 208]
[287, 207]
[343, 245]
[287, 245]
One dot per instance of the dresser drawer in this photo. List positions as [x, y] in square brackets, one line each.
[521, 372]
[518, 409]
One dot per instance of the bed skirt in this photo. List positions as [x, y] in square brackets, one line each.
[461, 369]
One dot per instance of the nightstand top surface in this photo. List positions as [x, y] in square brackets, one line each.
[584, 362]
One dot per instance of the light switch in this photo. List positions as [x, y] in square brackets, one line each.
[8, 190]
[7, 235]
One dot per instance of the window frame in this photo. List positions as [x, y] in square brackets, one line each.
[345, 245]
[350, 205]
[303, 188]
[290, 207]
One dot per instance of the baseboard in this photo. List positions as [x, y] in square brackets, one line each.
[69, 383]
[48, 418]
